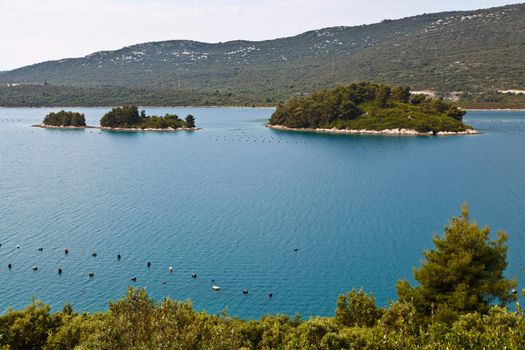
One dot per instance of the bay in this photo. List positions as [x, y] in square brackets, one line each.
[233, 202]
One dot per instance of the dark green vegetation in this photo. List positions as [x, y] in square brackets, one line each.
[50, 96]
[491, 100]
[371, 107]
[129, 117]
[474, 52]
[64, 118]
[452, 307]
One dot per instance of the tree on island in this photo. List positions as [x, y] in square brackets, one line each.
[129, 117]
[464, 273]
[65, 119]
[190, 121]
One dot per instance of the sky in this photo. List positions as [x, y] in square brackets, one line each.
[33, 31]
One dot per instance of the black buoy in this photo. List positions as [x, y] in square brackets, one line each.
[66, 251]
[91, 274]
[59, 271]
[270, 295]
[94, 254]
[40, 249]
[118, 256]
[9, 266]
[194, 275]
[296, 249]
[245, 291]
[149, 264]
[134, 279]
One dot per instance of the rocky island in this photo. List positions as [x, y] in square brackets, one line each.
[63, 119]
[128, 118]
[367, 108]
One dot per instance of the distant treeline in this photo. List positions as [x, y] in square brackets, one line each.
[122, 117]
[369, 106]
[458, 303]
[57, 96]
[64, 118]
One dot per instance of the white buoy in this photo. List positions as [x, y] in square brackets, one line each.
[170, 269]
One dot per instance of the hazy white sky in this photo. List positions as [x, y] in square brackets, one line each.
[37, 30]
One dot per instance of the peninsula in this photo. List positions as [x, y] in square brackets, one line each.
[367, 108]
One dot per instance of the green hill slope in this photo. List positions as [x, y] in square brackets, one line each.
[473, 51]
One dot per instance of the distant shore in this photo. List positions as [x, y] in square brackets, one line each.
[44, 126]
[391, 132]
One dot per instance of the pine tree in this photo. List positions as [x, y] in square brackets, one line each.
[464, 273]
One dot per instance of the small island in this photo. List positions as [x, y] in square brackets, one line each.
[367, 108]
[128, 118]
[63, 119]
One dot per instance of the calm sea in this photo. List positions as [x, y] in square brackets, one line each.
[234, 201]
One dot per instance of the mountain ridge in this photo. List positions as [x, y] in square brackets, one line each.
[466, 51]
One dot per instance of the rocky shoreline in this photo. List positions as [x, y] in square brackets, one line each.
[44, 126]
[148, 129]
[393, 132]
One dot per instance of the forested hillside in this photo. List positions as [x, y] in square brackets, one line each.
[474, 51]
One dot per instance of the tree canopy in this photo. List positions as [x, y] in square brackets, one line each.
[369, 106]
[129, 117]
[463, 273]
[64, 118]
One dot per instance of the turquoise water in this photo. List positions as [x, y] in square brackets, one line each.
[233, 201]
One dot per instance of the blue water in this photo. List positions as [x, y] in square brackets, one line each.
[233, 201]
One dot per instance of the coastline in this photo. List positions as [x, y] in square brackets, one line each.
[44, 126]
[147, 129]
[390, 132]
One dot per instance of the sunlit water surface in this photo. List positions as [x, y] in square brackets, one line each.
[232, 203]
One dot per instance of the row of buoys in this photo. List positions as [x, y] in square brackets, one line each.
[134, 279]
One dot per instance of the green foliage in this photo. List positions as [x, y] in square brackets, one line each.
[357, 309]
[464, 273]
[369, 106]
[64, 118]
[129, 117]
[190, 121]
[27, 329]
